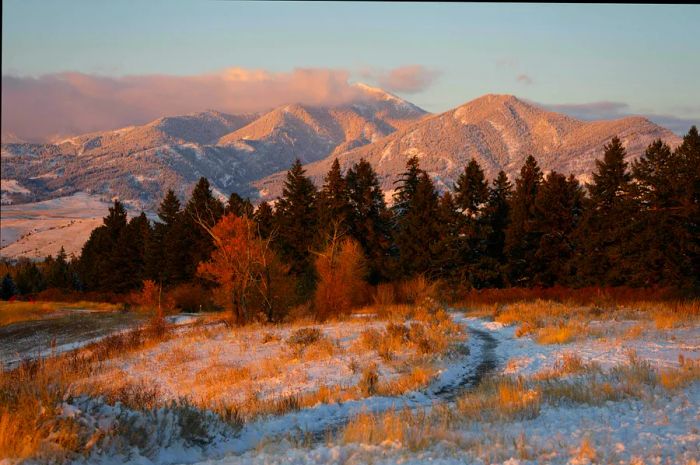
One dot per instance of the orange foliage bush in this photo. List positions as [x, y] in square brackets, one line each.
[341, 269]
[251, 279]
[150, 293]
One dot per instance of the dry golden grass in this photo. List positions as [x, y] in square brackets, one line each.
[417, 378]
[30, 396]
[555, 334]
[586, 450]
[502, 399]
[412, 430]
[551, 322]
[13, 312]
[591, 392]
[568, 364]
[673, 379]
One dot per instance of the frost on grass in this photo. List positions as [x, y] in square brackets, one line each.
[586, 401]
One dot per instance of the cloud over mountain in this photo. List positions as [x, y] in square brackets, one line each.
[39, 108]
[409, 79]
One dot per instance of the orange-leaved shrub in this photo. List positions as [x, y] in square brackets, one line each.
[251, 280]
[341, 270]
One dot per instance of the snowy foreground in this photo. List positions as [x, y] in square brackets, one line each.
[660, 427]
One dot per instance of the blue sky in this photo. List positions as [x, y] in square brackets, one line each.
[644, 58]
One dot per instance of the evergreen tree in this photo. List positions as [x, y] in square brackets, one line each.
[57, 273]
[471, 194]
[333, 204]
[558, 209]
[295, 217]
[664, 187]
[448, 246]
[134, 242]
[496, 217]
[521, 240]
[170, 209]
[689, 156]
[417, 227]
[605, 254]
[239, 206]
[407, 184]
[471, 189]
[202, 211]
[166, 250]
[8, 288]
[101, 251]
[264, 219]
[29, 279]
[370, 220]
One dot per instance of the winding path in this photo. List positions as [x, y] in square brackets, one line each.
[318, 422]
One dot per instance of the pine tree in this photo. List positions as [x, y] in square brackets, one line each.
[93, 262]
[521, 241]
[166, 254]
[265, 220]
[239, 206]
[664, 188]
[689, 155]
[202, 211]
[604, 253]
[295, 217]
[135, 240]
[29, 279]
[57, 273]
[370, 220]
[471, 189]
[8, 288]
[558, 209]
[101, 251]
[417, 228]
[471, 194]
[496, 217]
[333, 204]
[448, 246]
[407, 184]
[115, 220]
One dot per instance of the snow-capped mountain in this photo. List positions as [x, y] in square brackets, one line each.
[499, 131]
[139, 163]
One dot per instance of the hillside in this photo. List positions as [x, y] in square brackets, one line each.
[499, 131]
[139, 163]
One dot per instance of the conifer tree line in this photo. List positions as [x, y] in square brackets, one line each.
[634, 225]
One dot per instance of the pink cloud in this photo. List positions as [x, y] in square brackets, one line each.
[73, 103]
[409, 79]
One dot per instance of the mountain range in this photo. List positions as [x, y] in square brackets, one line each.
[139, 163]
[250, 153]
[499, 131]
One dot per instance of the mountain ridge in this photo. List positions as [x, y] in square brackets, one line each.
[139, 163]
[499, 131]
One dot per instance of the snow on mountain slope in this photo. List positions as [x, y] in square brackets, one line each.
[499, 131]
[140, 163]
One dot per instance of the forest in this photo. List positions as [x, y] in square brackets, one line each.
[324, 251]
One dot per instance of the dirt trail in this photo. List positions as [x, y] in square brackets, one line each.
[486, 364]
[35, 338]
[320, 422]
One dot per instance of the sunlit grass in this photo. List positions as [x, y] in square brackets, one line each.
[13, 312]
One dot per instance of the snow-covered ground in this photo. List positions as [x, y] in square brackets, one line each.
[218, 364]
[658, 427]
[663, 428]
[38, 229]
